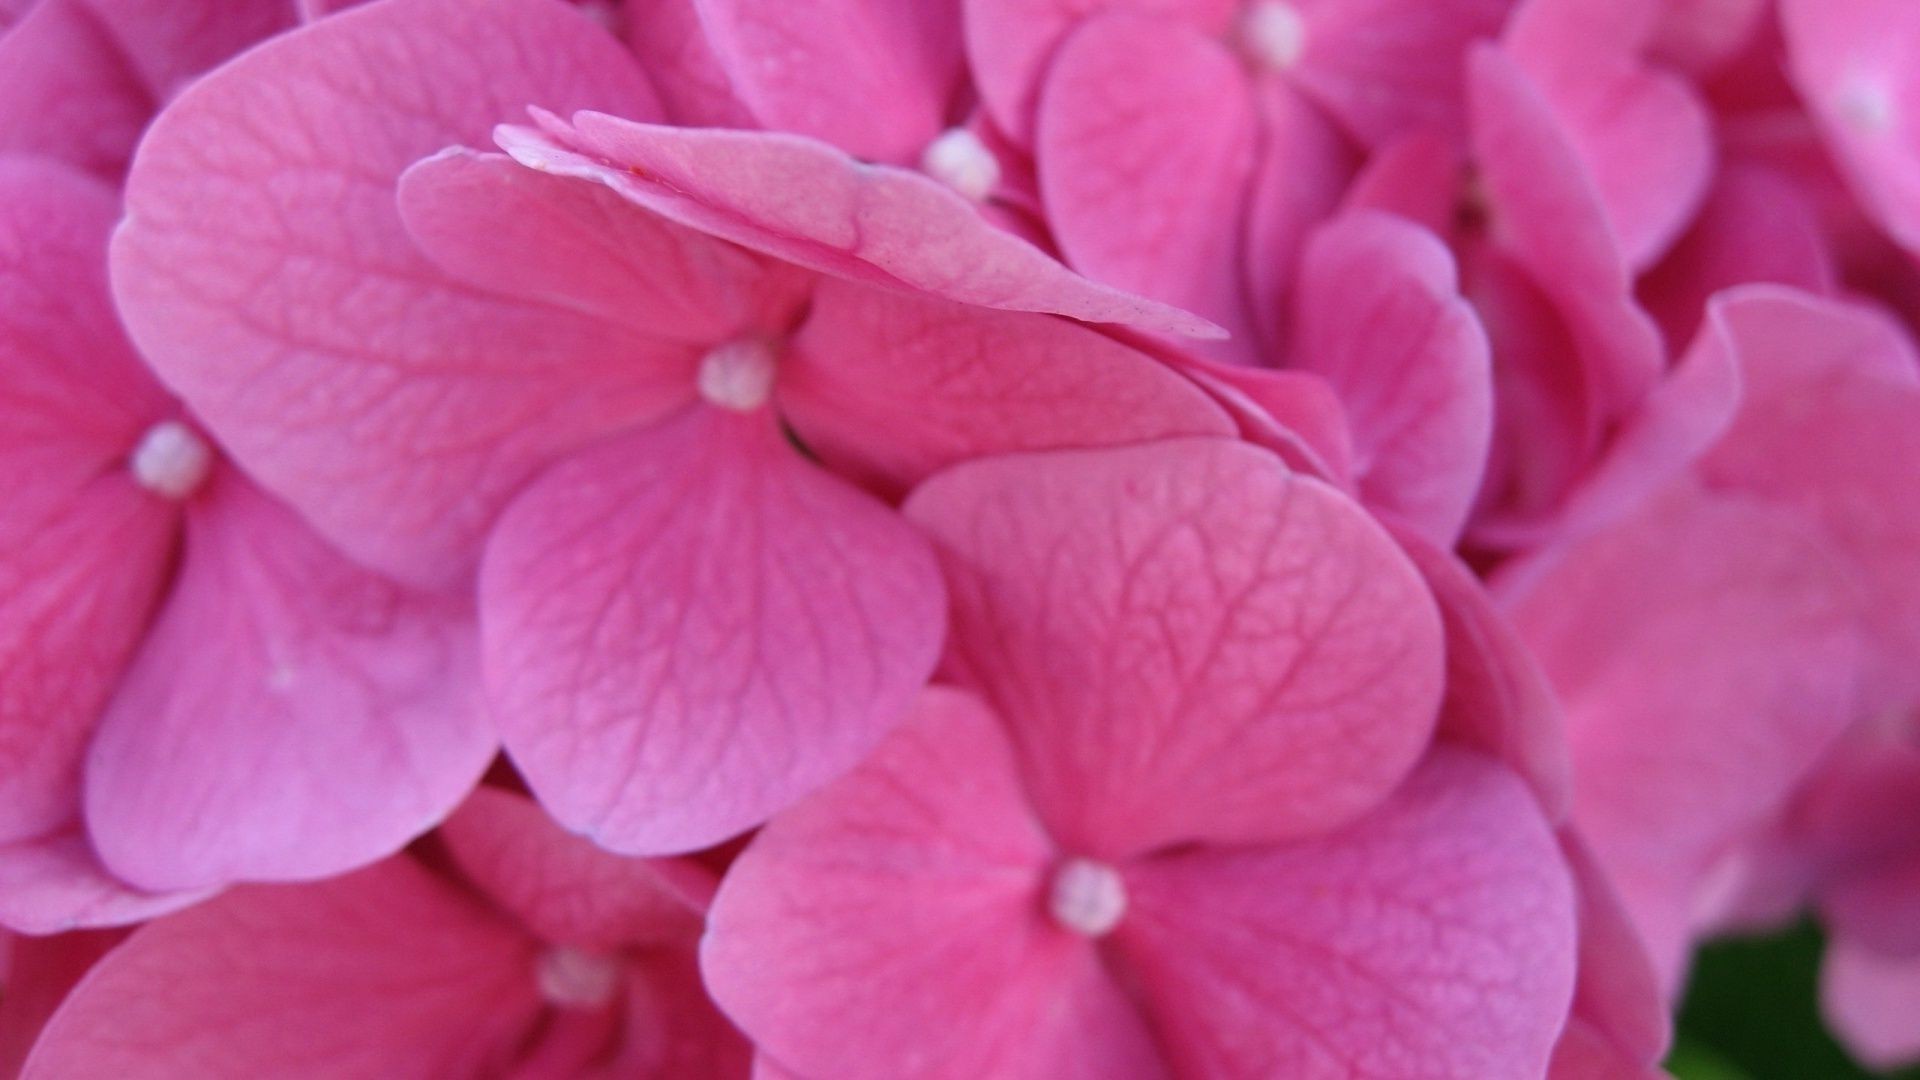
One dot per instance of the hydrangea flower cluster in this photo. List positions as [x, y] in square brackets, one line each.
[950, 539]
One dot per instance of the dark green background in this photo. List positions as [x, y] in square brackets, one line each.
[1751, 1014]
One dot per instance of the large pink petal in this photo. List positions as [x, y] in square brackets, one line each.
[807, 202]
[562, 887]
[1706, 651]
[875, 79]
[384, 972]
[892, 925]
[1869, 999]
[1855, 66]
[493, 223]
[265, 272]
[895, 386]
[1385, 68]
[54, 883]
[1379, 313]
[1145, 168]
[1253, 628]
[1849, 463]
[290, 715]
[83, 550]
[690, 627]
[1433, 938]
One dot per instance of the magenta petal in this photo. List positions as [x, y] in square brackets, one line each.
[1302, 171]
[1618, 996]
[291, 715]
[672, 45]
[385, 972]
[891, 926]
[264, 271]
[491, 222]
[562, 887]
[55, 883]
[1255, 628]
[36, 974]
[70, 94]
[83, 550]
[690, 627]
[1145, 167]
[1385, 68]
[875, 79]
[806, 202]
[1434, 937]
[1379, 313]
[896, 386]
[1870, 999]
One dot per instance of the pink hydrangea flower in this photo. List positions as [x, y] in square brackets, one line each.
[518, 951]
[1184, 817]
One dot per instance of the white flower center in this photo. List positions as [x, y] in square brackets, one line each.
[1273, 34]
[172, 460]
[738, 375]
[576, 978]
[1088, 897]
[961, 161]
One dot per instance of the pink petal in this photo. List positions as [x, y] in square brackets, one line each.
[1701, 37]
[672, 45]
[35, 975]
[1642, 133]
[1497, 698]
[1253, 627]
[1010, 44]
[1756, 225]
[806, 202]
[1145, 168]
[1879, 907]
[1379, 313]
[1584, 1054]
[385, 972]
[1869, 999]
[55, 883]
[875, 79]
[295, 315]
[1854, 65]
[1849, 464]
[70, 94]
[1705, 652]
[165, 45]
[290, 715]
[1303, 169]
[83, 550]
[1385, 68]
[1618, 996]
[1419, 177]
[893, 386]
[1434, 937]
[690, 627]
[1295, 414]
[891, 925]
[493, 223]
[562, 887]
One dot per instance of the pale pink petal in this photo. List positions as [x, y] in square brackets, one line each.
[690, 627]
[1756, 225]
[1145, 167]
[83, 550]
[893, 386]
[1618, 996]
[667, 37]
[1295, 414]
[385, 972]
[893, 926]
[1870, 1000]
[1385, 68]
[290, 715]
[264, 271]
[1010, 43]
[1253, 627]
[1643, 134]
[1705, 651]
[493, 223]
[1497, 698]
[1433, 938]
[1379, 314]
[70, 94]
[562, 887]
[1855, 65]
[1850, 463]
[806, 202]
[875, 79]
[55, 883]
